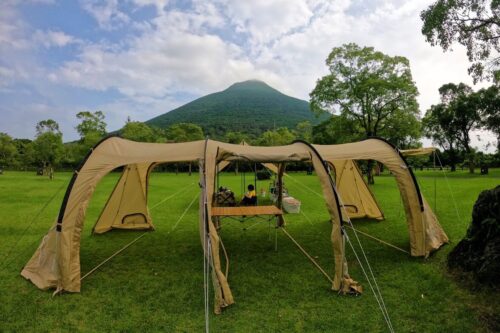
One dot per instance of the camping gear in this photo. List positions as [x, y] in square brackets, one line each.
[291, 205]
[224, 197]
[273, 190]
[56, 262]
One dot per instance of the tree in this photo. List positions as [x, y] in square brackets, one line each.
[473, 23]
[303, 131]
[184, 132]
[91, 123]
[367, 87]
[337, 129]
[47, 126]
[48, 145]
[91, 128]
[489, 99]
[8, 150]
[137, 131]
[278, 137]
[454, 118]
[434, 126]
[25, 153]
[236, 137]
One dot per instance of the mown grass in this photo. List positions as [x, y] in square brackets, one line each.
[157, 283]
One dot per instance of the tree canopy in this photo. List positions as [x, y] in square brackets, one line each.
[367, 87]
[489, 103]
[91, 123]
[373, 90]
[138, 131]
[449, 123]
[48, 145]
[184, 132]
[474, 24]
[7, 150]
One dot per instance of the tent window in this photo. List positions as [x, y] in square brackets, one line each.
[137, 218]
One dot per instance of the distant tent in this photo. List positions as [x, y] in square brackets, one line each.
[56, 262]
[357, 199]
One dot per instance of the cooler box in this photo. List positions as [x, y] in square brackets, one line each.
[291, 205]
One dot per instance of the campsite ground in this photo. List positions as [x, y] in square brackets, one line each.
[157, 283]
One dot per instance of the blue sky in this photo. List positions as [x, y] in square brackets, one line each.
[141, 58]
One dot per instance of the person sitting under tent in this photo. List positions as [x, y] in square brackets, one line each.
[250, 197]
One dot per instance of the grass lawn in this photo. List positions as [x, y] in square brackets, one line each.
[157, 283]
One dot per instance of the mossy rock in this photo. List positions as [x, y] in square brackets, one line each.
[479, 251]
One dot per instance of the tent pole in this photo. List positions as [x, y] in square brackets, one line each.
[279, 201]
[435, 193]
[255, 179]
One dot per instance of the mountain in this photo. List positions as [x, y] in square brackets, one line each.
[251, 107]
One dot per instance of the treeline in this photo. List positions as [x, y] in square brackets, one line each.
[47, 151]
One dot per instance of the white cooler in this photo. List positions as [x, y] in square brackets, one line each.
[291, 205]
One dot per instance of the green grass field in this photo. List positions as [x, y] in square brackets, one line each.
[157, 283]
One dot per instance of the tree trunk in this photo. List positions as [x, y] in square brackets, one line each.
[51, 172]
[470, 159]
[190, 168]
[453, 165]
[471, 164]
[369, 172]
[176, 168]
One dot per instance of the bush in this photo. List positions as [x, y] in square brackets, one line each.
[263, 174]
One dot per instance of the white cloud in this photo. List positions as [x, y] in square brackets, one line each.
[172, 55]
[52, 38]
[106, 13]
[11, 27]
[159, 4]
[267, 20]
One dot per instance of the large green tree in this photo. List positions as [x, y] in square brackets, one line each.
[303, 131]
[278, 137]
[489, 99]
[25, 153]
[91, 128]
[236, 137]
[48, 145]
[8, 150]
[435, 126]
[369, 88]
[138, 131]
[184, 132]
[455, 117]
[90, 123]
[473, 23]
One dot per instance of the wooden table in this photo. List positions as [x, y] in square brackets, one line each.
[246, 211]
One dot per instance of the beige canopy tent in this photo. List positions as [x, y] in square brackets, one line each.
[56, 262]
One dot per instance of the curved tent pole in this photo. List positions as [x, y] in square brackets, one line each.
[62, 210]
[419, 195]
[325, 166]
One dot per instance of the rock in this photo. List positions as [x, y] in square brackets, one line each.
[479, 251]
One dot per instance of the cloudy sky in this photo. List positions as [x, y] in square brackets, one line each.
[141, 58]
